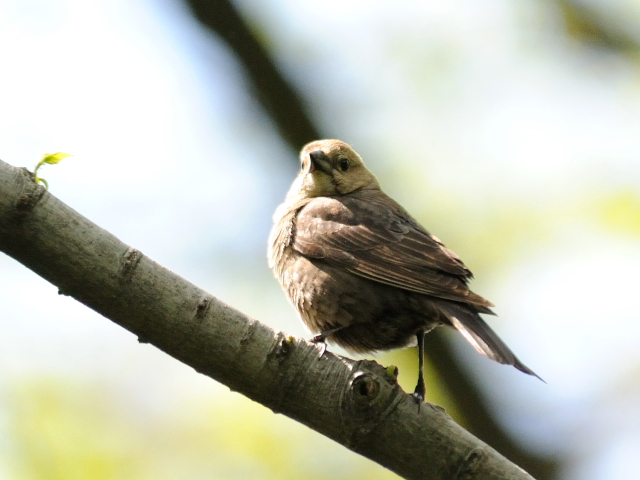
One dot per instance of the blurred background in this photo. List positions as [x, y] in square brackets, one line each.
[509, 128]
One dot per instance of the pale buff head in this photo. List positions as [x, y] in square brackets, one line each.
[330, 168]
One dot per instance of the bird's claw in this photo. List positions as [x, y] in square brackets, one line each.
[321, 341]
[418, 398]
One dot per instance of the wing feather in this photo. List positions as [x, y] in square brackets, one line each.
[371, 235]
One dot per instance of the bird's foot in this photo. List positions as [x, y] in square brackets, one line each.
[418, 397]
[420, 392]
[320, 340]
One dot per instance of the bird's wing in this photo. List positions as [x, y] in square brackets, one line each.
[372, 236]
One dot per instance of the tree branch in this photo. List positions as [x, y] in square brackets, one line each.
[592, 27]
[357, 404]
[270, 87]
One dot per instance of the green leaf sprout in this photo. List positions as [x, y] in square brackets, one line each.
[51, 159]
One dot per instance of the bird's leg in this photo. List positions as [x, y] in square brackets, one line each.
[420, 390]
[322, 337]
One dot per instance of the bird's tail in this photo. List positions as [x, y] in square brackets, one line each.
[480, 335]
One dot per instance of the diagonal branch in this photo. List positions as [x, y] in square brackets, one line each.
[358, 404]
[597, 27]
[270, 87]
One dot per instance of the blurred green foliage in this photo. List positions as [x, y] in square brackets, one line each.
[62, 431]
[619, 212]
[70, 430]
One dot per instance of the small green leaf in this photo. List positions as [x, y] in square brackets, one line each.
[53, 158]
[50, 159]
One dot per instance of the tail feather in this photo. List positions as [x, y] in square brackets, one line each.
[480, 335]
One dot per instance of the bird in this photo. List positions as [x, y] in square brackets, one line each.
[362, 273]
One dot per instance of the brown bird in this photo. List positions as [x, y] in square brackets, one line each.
[364, 274]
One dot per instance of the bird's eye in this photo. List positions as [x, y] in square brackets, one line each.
[344, 164]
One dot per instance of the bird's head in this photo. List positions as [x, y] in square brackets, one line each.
[330, 168]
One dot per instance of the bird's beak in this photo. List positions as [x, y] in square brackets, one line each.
[319, 161]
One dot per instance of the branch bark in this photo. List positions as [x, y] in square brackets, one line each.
[356, 403]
